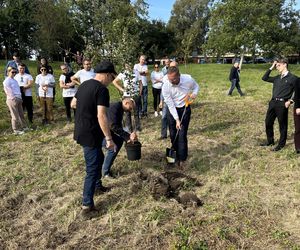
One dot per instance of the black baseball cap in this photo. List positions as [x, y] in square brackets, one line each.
[105, 67]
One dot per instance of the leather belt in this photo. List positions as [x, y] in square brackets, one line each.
[279, 99]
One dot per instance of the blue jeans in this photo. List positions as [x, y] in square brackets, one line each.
[111, 154]
[164, 121]
[144, 100]
[93, 161]
[235, 84]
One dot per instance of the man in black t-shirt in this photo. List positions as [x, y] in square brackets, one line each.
[91, 127]
[283, 88]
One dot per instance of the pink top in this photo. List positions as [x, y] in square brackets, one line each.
[11, 88]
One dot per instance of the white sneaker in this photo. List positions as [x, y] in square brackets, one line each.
[160, 112]
[155, 114]
[18, 132]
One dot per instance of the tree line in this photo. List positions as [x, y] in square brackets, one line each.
[121, 29]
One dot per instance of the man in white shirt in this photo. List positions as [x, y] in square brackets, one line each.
[25, 82]
[84, 74]
[142, 68]
[177, 91]
[46, 83]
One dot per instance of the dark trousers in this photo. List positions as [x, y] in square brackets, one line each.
[235, 84]
[67, 102]
[144, 101]
[297, 131]
[164, 121]
[137, 111]
[277, 110]
[28, 105]
[93, 160]
[181, 143]
[156, 97]
[111, 154]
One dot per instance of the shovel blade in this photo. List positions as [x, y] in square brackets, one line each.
[170, 155]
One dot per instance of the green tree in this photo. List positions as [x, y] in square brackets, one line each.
[241, 26]
[189, 22]
[17, 25]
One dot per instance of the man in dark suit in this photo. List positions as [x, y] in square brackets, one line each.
[234, 78]
[283, 88]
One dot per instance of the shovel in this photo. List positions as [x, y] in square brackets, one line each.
[171, 152]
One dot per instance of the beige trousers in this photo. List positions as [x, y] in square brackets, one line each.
[17, 115]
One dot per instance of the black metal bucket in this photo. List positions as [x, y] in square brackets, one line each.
[170, 155]
[133, 151]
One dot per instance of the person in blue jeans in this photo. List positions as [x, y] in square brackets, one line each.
[91, 126]
[119, 135]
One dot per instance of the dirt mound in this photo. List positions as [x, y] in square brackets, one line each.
[172, 184]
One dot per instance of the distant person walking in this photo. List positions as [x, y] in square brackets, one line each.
[234, 78]
[283, 88]
[25, 82]
[177, 88]
[142, 68]
[91, 127]
[14, 101]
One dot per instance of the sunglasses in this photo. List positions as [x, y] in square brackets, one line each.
[43, 69]
[156, 67]
[14, 72]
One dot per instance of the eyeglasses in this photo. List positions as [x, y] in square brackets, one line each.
[87, 64]
[156, 67]
[14, 72]
[43, 69]
[64, 69]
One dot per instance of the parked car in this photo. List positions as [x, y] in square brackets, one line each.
[258, 60]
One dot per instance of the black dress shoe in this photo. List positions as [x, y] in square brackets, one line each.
[277, 148]
[265, 144]
[297, 151]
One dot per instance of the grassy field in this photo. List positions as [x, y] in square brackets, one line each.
[250, 195]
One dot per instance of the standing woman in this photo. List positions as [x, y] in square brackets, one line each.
[14, 101]
[156, 79]
[45, 84]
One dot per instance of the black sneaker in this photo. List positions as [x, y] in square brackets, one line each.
[101, 189]
[277, 148]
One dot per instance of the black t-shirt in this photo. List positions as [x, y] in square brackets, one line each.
[68, 77]
[87, 131]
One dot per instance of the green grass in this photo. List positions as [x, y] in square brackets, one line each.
[250, 194]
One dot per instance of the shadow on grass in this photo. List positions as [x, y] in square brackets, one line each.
[211, 159]
[217, 126]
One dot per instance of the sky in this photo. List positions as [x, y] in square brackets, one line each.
[161, 9]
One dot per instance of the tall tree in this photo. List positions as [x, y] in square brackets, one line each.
[241, 26]
[189, 22]
[17, 25]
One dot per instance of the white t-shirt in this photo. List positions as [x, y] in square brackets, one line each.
[130, 82]
[11, 88]
[157, 76]
[67, 92]
[142, 68]
[84, 75]
[42, 80]
[23, 80]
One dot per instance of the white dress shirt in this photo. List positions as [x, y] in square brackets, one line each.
[174, 94]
